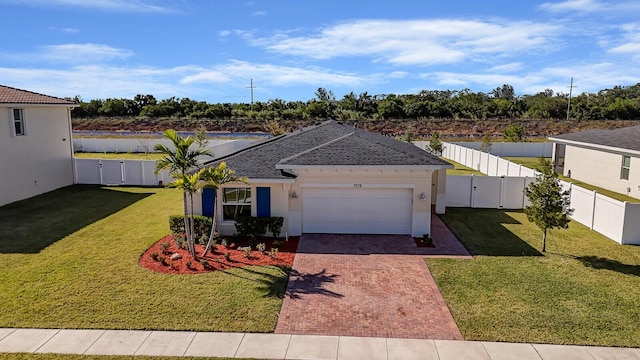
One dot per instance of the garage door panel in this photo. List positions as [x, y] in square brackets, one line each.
[357, 211]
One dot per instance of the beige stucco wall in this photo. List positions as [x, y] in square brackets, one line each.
[39, 161]
[602, 169]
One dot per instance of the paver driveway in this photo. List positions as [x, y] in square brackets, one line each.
[365, 285]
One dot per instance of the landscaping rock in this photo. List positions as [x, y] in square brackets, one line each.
[175, 256]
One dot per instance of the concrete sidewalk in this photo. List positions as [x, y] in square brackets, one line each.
[279, 346]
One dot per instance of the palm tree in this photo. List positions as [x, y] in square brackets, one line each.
[179, 161]
[214, 177]
[189, 184]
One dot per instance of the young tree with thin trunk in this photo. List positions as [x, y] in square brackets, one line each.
[435, 145]
[179, 160]
[549, 207]
[214, 177]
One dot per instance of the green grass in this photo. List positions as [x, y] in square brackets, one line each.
[461, 169]
[532, 163]
[584, 290]
[69, 259]
[118, 156]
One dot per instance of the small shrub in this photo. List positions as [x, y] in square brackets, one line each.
[181, 242]
[216, 260]
[164, 247]
[261, 247]
[188, 263]
[154, 256]
[255, 227]
[273, 253]
[427, 240]
[203, 239]
[225, 243]
[276, 243]
[247, 251]
[163, 260]
[201, 225]
[204, 262]
[227, 256]
[274, 225]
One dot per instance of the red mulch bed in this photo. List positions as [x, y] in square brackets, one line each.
[215, 259]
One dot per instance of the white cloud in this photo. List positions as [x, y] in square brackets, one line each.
[274, 75]
[259, 13]
[573, 5]
[113, 5]
[68, 30]
[417, 42]
[587, 78]
[590, 6]
[507, 68]
[630, 42]
[82, 53]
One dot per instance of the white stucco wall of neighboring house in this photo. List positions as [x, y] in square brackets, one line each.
[601, 168]
[39, 161]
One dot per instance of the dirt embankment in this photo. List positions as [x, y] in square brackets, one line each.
[421, 128]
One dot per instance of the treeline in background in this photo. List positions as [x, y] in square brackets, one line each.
[619, 103]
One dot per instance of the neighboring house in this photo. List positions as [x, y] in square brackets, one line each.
[36, 151]
[333, 178]
[606, 158]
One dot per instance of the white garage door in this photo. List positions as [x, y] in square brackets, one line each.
[356, 210]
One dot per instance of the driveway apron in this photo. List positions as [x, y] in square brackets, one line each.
[364, 285]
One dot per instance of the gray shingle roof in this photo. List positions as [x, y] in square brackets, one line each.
[9, 95]
[328, 144]
[623, 138]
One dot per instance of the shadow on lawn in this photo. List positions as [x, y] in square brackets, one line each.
[482, 232]
[30, 225]
[273, 285]
[600, 263]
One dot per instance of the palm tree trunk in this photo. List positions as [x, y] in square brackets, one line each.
[192, 241]
[187, 226]
[213, 228]
[544, 240]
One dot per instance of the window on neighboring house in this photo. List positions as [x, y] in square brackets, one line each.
[236, 202]
[18, 122]
[626, 164]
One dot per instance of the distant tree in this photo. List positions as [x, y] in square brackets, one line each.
[514, 133]
[549, 207]
[435, 145]
[274, 127]
[486, 144]
[409, 135]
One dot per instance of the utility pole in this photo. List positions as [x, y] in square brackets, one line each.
[251, 87]
[569, 104]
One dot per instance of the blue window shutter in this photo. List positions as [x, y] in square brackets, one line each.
[263, 201]
[208, 197]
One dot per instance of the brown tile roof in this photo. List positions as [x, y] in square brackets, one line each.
[9, 95]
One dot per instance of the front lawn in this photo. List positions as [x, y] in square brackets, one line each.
[69, 259]
[584, 290]
[460, 169]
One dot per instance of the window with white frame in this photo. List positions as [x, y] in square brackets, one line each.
[626, 165]
[236, 202]
[18, 121]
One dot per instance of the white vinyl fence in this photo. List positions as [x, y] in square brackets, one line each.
[119, 172]
[217, 147]
[504, 189]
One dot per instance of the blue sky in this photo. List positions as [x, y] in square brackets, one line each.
[209, 50]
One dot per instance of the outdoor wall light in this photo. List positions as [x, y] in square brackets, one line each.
[294, 195]
[422, 196]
